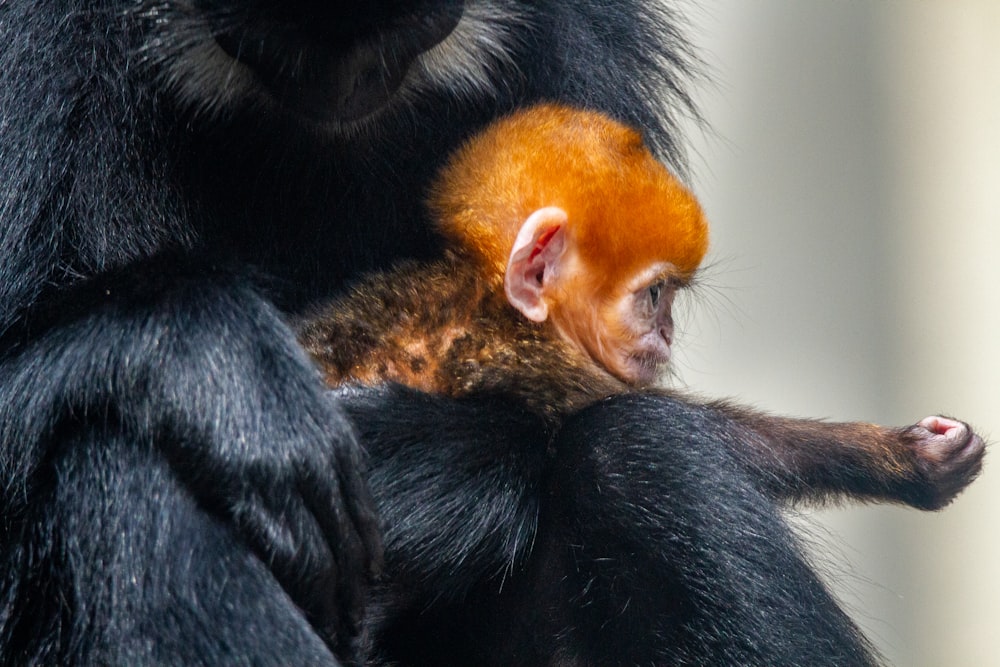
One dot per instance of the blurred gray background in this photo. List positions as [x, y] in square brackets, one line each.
[852, 181]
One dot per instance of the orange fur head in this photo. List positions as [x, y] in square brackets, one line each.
[625, 209]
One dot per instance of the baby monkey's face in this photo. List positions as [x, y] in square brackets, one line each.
[636, 328]
[624, 326]
[616, 308]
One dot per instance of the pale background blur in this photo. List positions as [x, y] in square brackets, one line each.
[852, 181]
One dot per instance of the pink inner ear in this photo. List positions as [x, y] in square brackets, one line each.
[543, 241]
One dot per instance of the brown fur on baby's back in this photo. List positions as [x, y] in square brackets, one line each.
[438, 328]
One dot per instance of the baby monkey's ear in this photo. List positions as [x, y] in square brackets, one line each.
[535, 259]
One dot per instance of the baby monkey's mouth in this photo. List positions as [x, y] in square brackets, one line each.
[646, 367]
[302, 65]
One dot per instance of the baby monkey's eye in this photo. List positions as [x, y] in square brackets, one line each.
[654, 292]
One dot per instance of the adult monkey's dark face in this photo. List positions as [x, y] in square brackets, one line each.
[332, 61]
[330, 64]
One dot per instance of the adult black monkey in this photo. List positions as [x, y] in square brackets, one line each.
[176, 486]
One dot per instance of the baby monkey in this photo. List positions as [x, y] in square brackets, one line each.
[566, 243]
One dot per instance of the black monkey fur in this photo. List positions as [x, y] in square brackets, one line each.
[176, 487]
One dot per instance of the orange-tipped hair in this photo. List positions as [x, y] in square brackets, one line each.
[626, 210]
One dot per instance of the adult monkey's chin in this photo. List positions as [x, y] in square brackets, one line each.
[336, 64]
